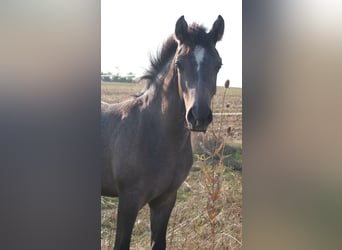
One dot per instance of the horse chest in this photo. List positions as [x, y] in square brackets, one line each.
[172, 169]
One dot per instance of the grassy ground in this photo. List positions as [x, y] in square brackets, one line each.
[207, 214]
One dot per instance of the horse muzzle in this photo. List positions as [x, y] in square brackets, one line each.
[199, 118]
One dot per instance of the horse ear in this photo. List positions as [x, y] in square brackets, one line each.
[181, 31]
[217, 30]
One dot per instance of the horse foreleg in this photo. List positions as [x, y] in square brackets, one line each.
[127, 214]
[160, 211]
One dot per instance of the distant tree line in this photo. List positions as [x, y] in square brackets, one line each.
[109, 77]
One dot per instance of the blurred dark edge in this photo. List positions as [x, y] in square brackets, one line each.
[49, 125]
[292, 175]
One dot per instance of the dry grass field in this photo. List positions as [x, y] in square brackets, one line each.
[207, 214]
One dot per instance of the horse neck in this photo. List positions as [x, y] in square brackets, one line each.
[163, 99]
[172, 104]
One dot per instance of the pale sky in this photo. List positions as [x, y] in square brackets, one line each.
[131, 30]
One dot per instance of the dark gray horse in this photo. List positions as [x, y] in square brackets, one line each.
[146, 140]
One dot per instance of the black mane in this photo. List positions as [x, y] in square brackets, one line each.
[158, 62]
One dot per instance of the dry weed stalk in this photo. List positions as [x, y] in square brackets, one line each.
[212, 172]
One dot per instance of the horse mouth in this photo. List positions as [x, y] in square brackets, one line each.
[199, 130]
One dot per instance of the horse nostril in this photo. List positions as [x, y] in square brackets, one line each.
[199, 121]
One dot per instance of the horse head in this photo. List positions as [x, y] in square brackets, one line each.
[197, 62]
